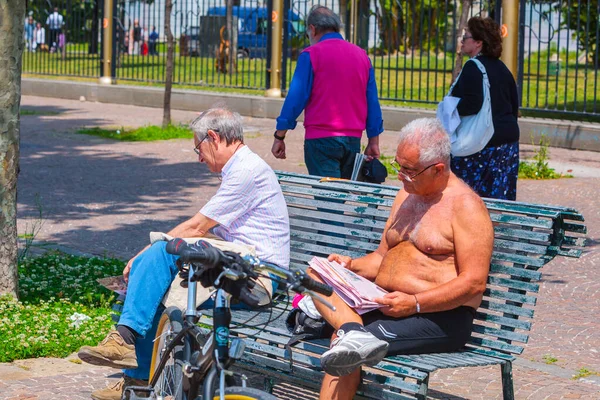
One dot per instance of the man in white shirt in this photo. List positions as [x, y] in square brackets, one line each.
[248, 209]
[55, 23]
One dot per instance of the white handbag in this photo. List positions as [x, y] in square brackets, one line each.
[474, 131]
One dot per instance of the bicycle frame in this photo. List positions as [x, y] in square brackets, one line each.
[202, 366]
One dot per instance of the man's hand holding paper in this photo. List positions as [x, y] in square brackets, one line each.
[356, 291]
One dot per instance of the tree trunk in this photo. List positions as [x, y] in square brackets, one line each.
[12, 15]
[462, 25]
[169, 66]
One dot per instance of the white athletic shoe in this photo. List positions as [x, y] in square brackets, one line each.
[351, 350]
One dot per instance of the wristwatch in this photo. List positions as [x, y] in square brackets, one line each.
[278, 137]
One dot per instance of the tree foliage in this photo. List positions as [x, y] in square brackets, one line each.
[409, 25]
[581, 18]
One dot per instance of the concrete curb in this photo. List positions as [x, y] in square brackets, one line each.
[567, 134]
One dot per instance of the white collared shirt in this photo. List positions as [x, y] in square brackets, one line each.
[250, 208]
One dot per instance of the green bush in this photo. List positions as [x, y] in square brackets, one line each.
[61, 306]
[539, 169]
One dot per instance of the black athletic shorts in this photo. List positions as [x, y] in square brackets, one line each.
[422, 333]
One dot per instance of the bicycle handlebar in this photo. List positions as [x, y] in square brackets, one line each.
[210, 257]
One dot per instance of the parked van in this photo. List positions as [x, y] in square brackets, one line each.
[252, 29]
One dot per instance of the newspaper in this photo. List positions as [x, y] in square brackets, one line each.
[114, 283]
[359, 159]
[356, 291]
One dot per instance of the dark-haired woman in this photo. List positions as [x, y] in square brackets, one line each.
[493, 171]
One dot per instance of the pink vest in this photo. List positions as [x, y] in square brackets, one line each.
[338, 101]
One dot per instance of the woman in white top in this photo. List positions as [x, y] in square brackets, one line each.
[39, 36]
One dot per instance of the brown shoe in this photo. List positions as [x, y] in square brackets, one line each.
[115, 391]
[111, 352]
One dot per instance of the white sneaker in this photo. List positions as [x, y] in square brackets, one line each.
[352, 349]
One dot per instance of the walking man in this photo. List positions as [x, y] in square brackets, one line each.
[334, 83]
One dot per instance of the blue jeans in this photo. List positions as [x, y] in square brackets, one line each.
[331, 157]
[151, 275]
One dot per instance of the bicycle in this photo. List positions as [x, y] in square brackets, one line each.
[188, 359]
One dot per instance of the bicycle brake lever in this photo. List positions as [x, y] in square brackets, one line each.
[320, 299]
[231, 275]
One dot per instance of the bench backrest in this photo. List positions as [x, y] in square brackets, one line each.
[348, 217]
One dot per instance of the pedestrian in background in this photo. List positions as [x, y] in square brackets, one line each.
[28, 33]
[152, 41]
[334, 83]
[493, 171]
[55, 22]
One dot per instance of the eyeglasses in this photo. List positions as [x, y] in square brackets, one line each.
[197, 148]
[409, 178]
[465, 37]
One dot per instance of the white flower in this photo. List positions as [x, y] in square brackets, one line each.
[78, 319]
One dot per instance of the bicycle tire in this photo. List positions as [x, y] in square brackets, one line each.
[170, 382]
[245, 393]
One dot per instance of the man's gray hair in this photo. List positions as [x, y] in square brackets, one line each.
[323, 19]
[429, 135]
[227, 124]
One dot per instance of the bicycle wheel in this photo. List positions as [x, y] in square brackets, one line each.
[170, 378]
[245, 393]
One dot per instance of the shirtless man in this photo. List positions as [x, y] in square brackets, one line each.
[433, 258]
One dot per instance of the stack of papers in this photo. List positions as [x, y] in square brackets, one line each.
[358, 163]
[356, 291]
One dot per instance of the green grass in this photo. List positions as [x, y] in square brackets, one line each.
[583, 373]
[401, 81]
[143, 134]
[548, 359]
[61, 307]
[25, 112]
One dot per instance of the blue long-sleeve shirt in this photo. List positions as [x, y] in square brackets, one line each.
[301, 88]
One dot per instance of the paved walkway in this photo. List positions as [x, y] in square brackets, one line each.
[103, 197]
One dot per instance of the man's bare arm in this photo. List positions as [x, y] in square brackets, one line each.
[473, 244]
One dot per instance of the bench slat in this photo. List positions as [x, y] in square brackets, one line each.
[518, 259]
[513, 284]
[515, 271]
[337, 196]
[515, 297]
[519, 246]
[356, 232]
[506, 308]
[500, 333]
[496, 345]
[303, 238]
[503, 321]
[521, 233]
[521, 220]
[358, 210]
[304, 214]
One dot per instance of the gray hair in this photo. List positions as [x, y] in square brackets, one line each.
[227, 124]
[429, 135]
[323, 19]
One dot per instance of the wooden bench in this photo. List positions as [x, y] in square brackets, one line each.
[348, 217]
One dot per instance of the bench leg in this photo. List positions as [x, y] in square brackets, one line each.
[268, 385]
[507, 381]
[422, 394]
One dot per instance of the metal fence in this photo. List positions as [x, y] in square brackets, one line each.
[411, 44]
